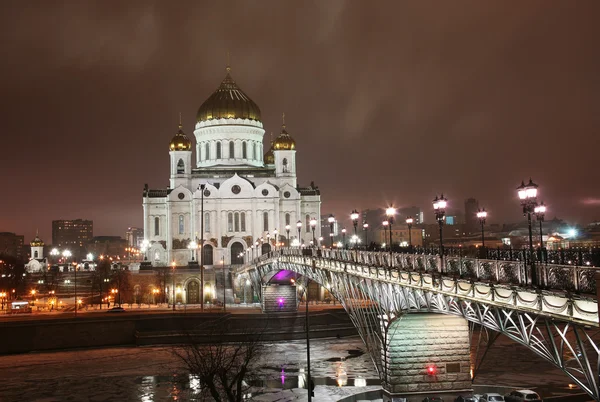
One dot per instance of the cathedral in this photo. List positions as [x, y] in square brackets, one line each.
[236, 201]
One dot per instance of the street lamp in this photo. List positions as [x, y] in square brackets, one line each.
[385, 226]
[528, 196]
[287, 232]
[540, 211]
[344, 238]
[390, 212]
[145, 246]
[331, 220]
[224, 281]
[313, 225]
[366, 230]
[439, 207]
[354, 216]
[299, 226]
[173, 275]
[482, 215]
[409, 223]
[193, 246]
[276, 238]
[321, 241]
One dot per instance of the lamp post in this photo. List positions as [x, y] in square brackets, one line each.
[299, 227]
[482, 215]
[145, 246]
[439, 207]
[540, 211]
[313, 226]
[173, 274]
[276, 238]
[344, 238]
[224, 281]
[385, 226]
[287, 233]
[67, 254]
[354, 216]
[409, 223]
[366, 230]
[55, 253]
[528, 196]
[203, 190]
[331, 220]
[390, 212]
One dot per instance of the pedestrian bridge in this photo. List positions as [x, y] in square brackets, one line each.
[389, 298]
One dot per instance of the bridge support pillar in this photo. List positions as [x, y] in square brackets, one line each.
[279, 298]
[427, 353]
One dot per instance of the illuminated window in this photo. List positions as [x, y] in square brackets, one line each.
[243, 221]
[231, 149]
[244, 150]
[218, 150]
[181, 224]
[207, 222]
[230, 222]
[156, 226]
[236, 220]
[266, 221]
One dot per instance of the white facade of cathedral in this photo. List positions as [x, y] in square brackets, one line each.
[233, 197]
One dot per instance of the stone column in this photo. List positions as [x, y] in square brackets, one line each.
[427, 353]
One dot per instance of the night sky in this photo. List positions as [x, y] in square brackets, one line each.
[388, 101]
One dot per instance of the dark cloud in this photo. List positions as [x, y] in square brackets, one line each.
[388, 101]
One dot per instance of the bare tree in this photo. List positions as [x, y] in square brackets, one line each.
[221, 366]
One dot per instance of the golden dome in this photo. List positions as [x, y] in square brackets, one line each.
[180, 142]
[37, 242]
[228, 102]
[284, 142]
[269, 157]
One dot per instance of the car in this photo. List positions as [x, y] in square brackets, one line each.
[472, 398]
[491, 397]
[523, 395]
[433, 399]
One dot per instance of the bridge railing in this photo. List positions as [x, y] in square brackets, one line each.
[572, 278]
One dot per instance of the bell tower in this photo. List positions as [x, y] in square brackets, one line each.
[37, 247]
[284, 150]
[180, 151]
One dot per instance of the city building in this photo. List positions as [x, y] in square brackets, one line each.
[235, 195]
[108, 246]
[134, 237]
[400, 236]
[11, 244]
[73, 235]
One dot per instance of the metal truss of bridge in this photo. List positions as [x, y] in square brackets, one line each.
[377, 289]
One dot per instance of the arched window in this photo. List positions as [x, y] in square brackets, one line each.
[287, 219]
[181, 224]
[254, 151]
[230, 222]
[307, 224]
[218, 150]
[156, 226]
[236, 219]
[35, 254]
[180, 167]
[265, 221]
[207, 222]
[207, 151]
[244, 150]
[231, 149]
[285, 165]
[243, 221]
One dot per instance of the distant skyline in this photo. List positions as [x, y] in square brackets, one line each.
[388, 104]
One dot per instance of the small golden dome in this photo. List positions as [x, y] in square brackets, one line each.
[269, 157]
[180, 142]
[284, 142]
[37, 242]
[228, 102]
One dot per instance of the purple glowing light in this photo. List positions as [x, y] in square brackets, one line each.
[280, 302]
